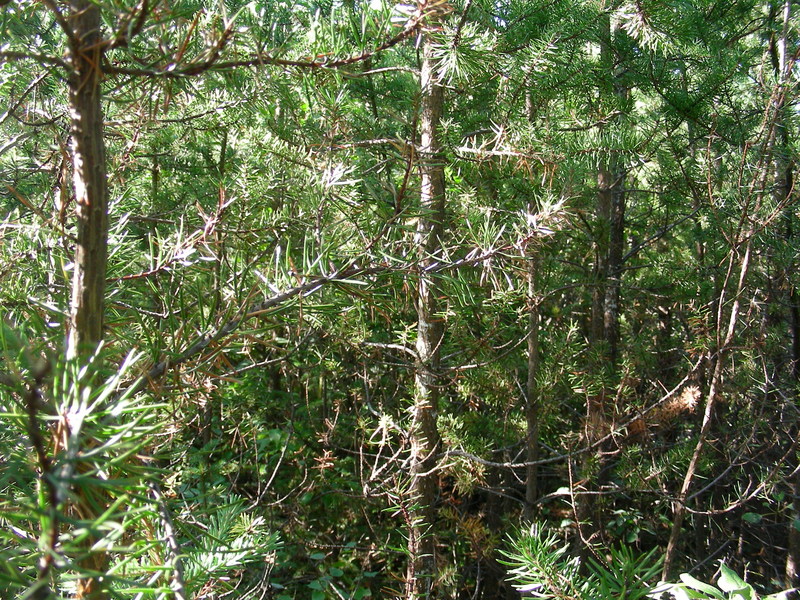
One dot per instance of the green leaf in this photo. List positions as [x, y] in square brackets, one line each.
[729, 580]
[683, 592]
[316, 585]
[317, 556]
[751, 517]
[317, 595]
[701, 586]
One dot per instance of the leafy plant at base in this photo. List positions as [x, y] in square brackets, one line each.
[729, 587]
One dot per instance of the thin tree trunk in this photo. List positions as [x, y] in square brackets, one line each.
[424, 433]
[600, 271]
[609, 245]
[532, 394]
[91, 194]
[616, 245]
[90, 183]
[792, 570]
[532, 389]
[784, 177]
[723, 348]
[611, 202]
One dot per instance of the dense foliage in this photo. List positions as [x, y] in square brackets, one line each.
[324, 299]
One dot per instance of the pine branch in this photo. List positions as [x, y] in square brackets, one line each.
[615, 432]
[304, 289]
[261, 60]
[45, 59]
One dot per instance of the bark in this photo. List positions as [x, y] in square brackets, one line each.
[610, 211]
[610, 207]
[424, 436]
[600, 271]
[90, 183]
[609, 252]
[91, 195]
[616, 245]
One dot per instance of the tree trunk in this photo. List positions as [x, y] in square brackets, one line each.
[91, 186]
[424, 433]
[723, 349]
[609, 244]
[610, 206]
[91, 195]
[532, 394]
[532, 389]
[616, 245]
[784, 182]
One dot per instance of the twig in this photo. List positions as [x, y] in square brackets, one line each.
[62, 22]
[127, 29]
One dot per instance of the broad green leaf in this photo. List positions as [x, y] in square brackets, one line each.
[682, 592]
[751, 517]
[701, 586]
[729, 580]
